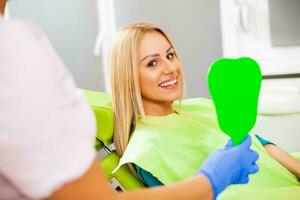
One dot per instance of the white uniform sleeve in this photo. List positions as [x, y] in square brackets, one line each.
[47, 129]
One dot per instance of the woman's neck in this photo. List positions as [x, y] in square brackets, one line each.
[157, 108]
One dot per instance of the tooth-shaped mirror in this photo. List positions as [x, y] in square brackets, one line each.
[234, 86]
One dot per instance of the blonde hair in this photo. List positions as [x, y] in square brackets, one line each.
[124, 66]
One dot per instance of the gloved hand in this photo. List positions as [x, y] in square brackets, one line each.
[230, 165]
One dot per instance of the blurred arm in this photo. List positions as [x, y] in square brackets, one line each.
[93, 185]
[195, 188]
[284, 159]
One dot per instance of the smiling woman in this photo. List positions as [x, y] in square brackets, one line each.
[151, 77]
[160, 74]
[163, 141]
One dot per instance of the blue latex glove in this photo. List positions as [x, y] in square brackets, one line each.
[230, 165]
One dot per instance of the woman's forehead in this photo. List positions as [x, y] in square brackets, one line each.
[153, 43]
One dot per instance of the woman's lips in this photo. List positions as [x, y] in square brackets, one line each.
[169, 84]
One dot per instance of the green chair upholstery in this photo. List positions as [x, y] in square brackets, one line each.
[101, 105]
[123, 179]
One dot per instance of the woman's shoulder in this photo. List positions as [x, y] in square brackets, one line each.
[141, 140]
[140, 148]
[195, 106]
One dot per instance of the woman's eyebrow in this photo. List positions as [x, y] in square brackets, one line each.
[156, 54]
[152, 55]
[169, 49]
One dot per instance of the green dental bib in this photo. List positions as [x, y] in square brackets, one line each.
[173, 147]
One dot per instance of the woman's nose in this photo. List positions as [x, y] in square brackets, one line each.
[169, 66]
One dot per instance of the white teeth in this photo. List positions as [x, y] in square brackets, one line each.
[165, 84]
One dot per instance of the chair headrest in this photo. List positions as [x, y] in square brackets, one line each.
[102, 107]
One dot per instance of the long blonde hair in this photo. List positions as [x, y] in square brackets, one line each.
[124, 66]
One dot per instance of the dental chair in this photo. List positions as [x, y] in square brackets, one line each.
[123, 179]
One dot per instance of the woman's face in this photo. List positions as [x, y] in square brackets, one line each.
[160, 72]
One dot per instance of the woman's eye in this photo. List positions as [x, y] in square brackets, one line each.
[170, 56]
[152, 63]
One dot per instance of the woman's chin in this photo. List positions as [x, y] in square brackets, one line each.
[172, 97]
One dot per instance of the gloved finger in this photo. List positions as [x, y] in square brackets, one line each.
[253, 169]
[252, 156]
[244, 179]
[228, 145]
[246, 143]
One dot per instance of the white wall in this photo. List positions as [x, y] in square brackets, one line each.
[194, 26]
[72, 28]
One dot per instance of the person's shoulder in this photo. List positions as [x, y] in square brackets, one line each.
[16, 24]
[12, 22]
[198, 101]
[18, 28]
[195, 105]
